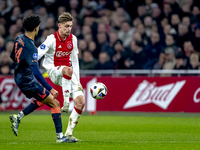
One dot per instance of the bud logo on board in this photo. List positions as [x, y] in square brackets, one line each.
[148, 92]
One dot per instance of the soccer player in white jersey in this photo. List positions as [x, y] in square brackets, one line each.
[61, 51]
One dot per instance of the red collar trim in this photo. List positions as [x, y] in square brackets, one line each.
[60, 39]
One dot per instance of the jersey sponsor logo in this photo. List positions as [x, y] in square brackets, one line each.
[69, 45]
[147, 93]
[61, 54]
[59, 46]
[42, 46]
[35, 56]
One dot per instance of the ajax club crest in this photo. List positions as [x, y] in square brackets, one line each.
[69, 45]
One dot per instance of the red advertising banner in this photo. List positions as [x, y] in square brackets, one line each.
[147, 94]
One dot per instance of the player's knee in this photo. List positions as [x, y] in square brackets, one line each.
[68, 71]
[82, 104]
[79, 103]
[57, 103]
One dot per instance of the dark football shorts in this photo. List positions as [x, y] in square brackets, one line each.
[35, 90]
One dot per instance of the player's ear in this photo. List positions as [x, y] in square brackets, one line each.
[36, 28]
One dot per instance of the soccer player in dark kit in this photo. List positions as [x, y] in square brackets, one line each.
[30, 81]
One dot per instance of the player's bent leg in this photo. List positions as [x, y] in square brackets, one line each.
[66, 87]
[75, 115]
[51, 102]
[67, 71]
[35, 104]
[56, 116]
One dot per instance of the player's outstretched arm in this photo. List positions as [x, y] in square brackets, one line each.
[39, 77]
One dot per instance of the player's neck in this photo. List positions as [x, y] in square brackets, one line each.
[30, 35]
[62, 35]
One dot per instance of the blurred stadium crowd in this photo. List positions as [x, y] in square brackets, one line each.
[113, 34]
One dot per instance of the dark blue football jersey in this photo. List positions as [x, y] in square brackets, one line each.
[24, 55]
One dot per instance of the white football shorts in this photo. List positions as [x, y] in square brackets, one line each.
[55, 74]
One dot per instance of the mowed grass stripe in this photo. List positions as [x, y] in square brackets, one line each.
[104, 132]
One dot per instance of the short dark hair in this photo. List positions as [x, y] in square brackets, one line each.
[31, 22]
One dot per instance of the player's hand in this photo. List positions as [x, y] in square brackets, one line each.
[54, 93]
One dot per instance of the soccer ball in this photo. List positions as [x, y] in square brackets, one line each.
[98, 90]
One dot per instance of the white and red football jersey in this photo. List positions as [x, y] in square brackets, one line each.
[59, 52]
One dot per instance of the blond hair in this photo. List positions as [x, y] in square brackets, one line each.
[65, 17]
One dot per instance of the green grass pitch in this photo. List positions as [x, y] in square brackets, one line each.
[105, 131]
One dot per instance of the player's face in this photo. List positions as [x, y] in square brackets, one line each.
[65, 28]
